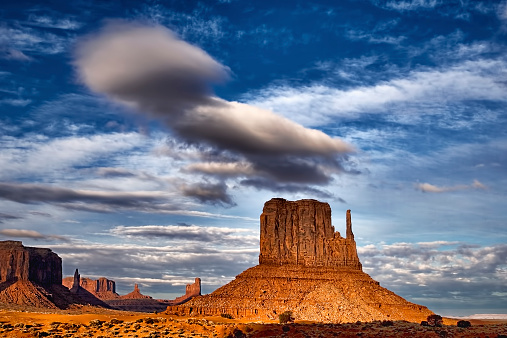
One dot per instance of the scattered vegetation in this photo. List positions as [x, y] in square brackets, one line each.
[434, 320]
[387, 323]
[464, 324]
[226, 315]
[285, 317]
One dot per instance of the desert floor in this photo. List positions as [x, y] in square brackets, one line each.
[91, 322]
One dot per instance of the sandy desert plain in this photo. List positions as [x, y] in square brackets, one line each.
[88, 321]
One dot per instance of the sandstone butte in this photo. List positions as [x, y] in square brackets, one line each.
[307, 268]
[105, 290]
[32, 277]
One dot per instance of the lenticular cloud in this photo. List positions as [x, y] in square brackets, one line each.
[149, 69]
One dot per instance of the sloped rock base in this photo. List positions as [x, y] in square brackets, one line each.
[320, 294]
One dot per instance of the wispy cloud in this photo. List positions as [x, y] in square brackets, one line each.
[31, 234]
[412, 4]
[426, 187]
[470, 80]
[57, 21]
[7, 217]
[194, 233]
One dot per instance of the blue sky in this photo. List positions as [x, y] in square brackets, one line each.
[140, 139]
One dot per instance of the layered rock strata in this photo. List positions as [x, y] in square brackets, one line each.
[307, 268]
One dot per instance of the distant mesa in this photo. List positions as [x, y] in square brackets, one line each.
[33, 277]
[307, 268]
[105, 290]
[101, 288]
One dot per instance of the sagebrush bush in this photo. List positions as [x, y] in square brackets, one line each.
[434, 320]
[464, 323]
[226, 315]
[285, 317]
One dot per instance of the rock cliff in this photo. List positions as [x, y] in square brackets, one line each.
[17, 262]
[307, 268]
[301, 233]
[33, 277]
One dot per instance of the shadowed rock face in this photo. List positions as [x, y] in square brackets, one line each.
[17, 262]
[307, 268]
[300, 233]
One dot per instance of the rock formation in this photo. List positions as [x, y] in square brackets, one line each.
[136, 294]
[136, 301]
[33, 277]
[300, 233]
[105, 290]
[17, 262]
[307, 268]
[192, 290]
[101, 288]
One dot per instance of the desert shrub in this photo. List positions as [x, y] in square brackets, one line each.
[286, 328]
[285, 317]
[464, 324]
[387, 323]
[115, 321]
[442, 334]
[237, 333]
[96, 323]
[149, 320]
[434, 320]
[424, 323]
[226, 315]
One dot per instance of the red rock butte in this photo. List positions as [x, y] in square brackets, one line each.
[307, 268]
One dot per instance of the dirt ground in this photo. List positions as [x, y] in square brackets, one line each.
[93, 322]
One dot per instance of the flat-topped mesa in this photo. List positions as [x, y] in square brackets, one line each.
[300, 233]
[38, 265]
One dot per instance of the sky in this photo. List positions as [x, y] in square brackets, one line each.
[139, 140]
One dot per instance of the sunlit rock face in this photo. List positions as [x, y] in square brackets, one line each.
[300, 233]
[307, 268]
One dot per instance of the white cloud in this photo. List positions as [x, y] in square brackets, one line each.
[318, 104]
[32, 234]
[408, 5]
[39, 155]
[426, 187]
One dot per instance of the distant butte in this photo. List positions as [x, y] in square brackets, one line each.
[33, 277]
[307, 268]
[105, 290]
